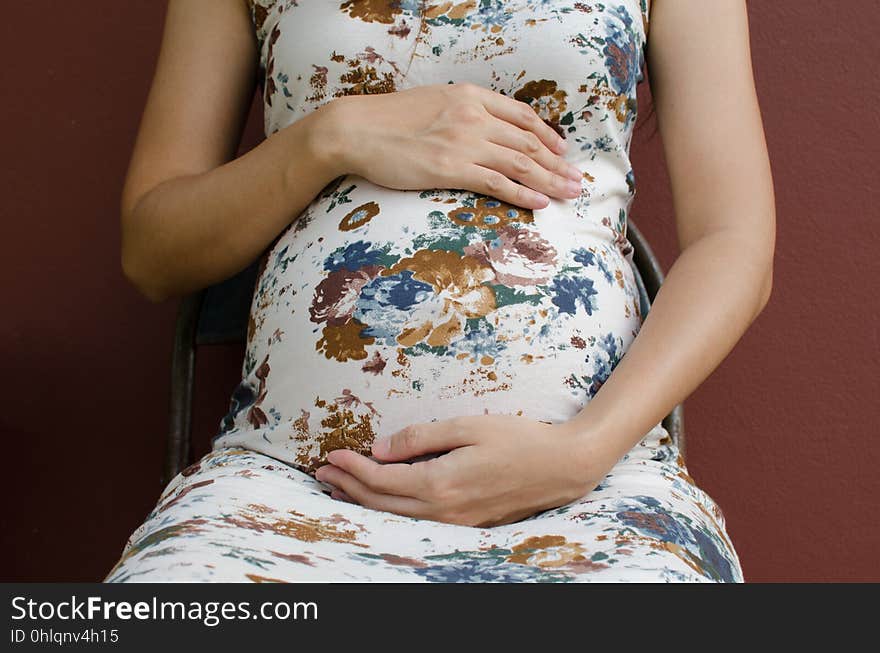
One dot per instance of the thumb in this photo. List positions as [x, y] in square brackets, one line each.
[422, 438]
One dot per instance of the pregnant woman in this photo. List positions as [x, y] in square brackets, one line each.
[447, 375]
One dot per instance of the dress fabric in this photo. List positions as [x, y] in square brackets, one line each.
[377, 308]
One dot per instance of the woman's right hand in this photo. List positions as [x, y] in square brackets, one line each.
[452, 136]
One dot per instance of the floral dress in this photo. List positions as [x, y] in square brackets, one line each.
[377, 308]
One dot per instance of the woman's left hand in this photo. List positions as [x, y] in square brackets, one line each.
[498, 469]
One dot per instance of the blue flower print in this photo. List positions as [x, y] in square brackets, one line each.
[569, 291]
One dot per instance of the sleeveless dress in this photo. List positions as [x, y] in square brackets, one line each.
[377, 308]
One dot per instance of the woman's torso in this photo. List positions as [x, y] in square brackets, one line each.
[377, 307]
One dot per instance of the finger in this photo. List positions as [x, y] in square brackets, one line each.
[515, 138]
[341, 496]
[522, 167]
[522, 115]
[399, 478]
[498, 185]
[363, 495]
[424, 438]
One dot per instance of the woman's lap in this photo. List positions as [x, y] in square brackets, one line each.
[239, 515]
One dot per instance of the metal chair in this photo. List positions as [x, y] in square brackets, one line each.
[219, 315]
[213, 316]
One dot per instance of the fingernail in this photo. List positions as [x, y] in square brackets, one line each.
[543, 199]
[563, 144]
[574, 187]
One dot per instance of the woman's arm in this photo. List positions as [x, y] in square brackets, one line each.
[703, 87]
[191, 216]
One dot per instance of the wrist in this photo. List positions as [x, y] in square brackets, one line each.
[590, 449]
[326, 140]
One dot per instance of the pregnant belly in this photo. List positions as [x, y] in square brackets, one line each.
[379, 308]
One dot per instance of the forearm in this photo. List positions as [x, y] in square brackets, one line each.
[714, 291]
[194, 230]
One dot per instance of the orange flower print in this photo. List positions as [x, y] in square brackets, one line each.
[490, 213]
[359, 216]
[426, 297]
[546, 99]
[344, 342]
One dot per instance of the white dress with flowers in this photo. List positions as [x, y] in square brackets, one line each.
[377, 308]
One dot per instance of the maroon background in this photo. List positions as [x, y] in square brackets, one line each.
[781, 434]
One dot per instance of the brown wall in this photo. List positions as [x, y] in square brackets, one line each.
[783, 434]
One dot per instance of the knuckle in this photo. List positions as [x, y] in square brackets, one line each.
[494, 182]
[352, 491]
[563, 182]
[463, 426]
[467, 89]
[457, 424]
[533, 143]
[376, 482]
[521, 162]
[528, 114]
[468, 113]
[409, 438]
[561, 166]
